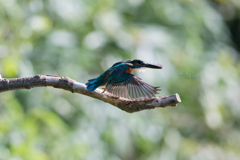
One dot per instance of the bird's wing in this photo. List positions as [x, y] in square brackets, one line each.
[128, 86]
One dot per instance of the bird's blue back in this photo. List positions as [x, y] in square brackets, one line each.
[115, 71]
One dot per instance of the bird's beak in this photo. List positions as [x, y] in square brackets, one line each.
[154, 66]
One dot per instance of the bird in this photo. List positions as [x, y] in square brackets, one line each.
[119, 80]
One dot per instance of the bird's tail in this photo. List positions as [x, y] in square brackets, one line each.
[92, 84]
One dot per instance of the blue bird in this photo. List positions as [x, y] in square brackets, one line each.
[120, 82]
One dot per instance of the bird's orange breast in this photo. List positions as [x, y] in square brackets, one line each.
[129, 70]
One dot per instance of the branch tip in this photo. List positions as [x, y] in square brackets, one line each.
[178, 98]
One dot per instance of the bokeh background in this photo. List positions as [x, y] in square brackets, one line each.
[196, 41]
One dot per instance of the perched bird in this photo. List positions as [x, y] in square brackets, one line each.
[120, 82]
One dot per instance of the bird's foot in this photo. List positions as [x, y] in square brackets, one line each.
[104, 90]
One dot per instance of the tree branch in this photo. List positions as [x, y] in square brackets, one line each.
[76, 87]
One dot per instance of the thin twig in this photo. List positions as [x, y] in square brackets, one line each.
[76, 87]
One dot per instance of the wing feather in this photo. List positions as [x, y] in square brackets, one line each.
[117, 90]
[142, 89]
[134, 92]
[131, 91]
[149, 90]
[138, 92]
[121, 91]
[128, 86]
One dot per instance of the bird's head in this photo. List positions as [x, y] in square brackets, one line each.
[139, 64]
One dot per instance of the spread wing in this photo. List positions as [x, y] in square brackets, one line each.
[128, 86]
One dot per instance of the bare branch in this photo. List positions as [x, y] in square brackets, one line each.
[76, 87]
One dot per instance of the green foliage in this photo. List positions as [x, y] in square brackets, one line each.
[82, 38]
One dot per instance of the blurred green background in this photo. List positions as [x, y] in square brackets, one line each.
[196, 41]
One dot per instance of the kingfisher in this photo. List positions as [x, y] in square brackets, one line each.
[119, 80]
